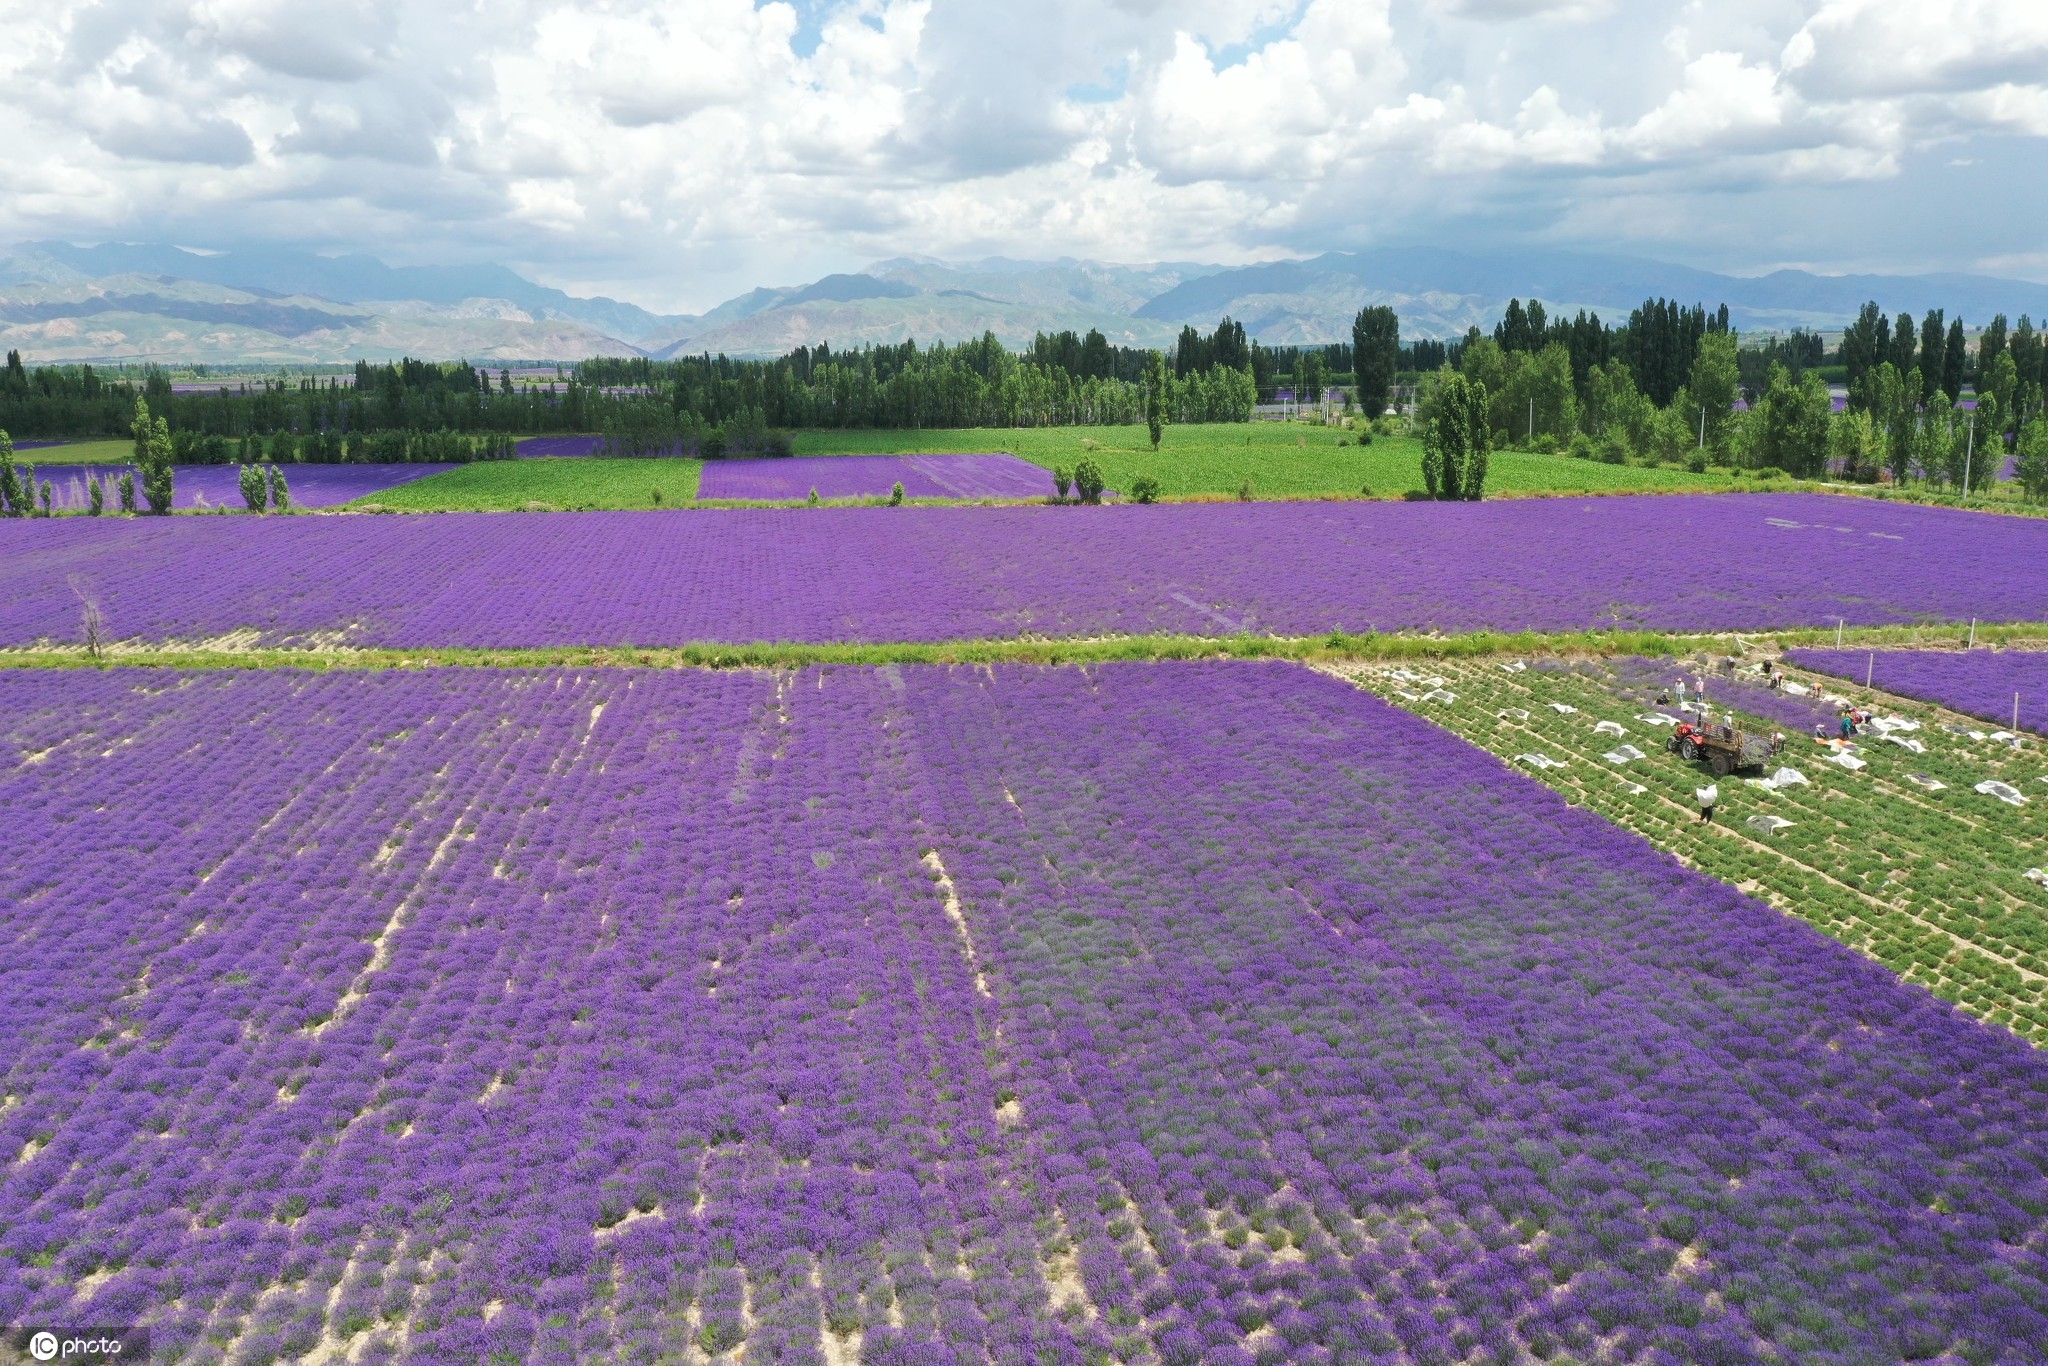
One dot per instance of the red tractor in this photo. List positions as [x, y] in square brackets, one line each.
[1725, 749]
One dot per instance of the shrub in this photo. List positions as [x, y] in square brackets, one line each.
[896, 494]
[1144, 489]
[127, 491]
[1244, 492]
[96, 495]
[255, 488]
[280, 496]
[1062, 479]
[1088, 481]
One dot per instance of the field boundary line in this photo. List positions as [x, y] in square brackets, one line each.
[1328, 647]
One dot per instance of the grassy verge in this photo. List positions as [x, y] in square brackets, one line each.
[1334, 647]
[545, 484]
[114, 451]
[1929, 882]
[1278, 459]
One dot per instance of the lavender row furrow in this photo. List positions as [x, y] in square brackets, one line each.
[1206, 1012]
[202, 487]
[930, 573]
[1990, 684]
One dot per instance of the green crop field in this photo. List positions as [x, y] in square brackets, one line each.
[1928, 880]
[1280, 459]
[559, 485]
[115, 451]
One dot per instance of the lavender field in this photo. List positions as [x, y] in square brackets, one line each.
[933, 573]
[1181, 1013]
[1981, 683]
[216, 486]
[861, 476]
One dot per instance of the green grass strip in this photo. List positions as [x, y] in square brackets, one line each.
[1333, 646]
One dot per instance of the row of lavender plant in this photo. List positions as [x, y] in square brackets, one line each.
[1991, 684]
[931, 573]
[1177, 1012]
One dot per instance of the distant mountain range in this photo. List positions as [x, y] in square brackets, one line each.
[132, 303]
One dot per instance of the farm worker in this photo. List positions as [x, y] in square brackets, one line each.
[1707, 795]
[1848, 725]
[1820, 732]
[1681, 694]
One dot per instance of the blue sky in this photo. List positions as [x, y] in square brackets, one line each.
[677, 153]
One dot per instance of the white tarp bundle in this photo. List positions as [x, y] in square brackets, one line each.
[2036, 875]
[1657, 718]
[1848, 761]
[1783, 778]
[1407, 696]
[1439, 695]
[1564, 709]
[1610, 728]
[1972, 733]
[1906, 743]
[1515, 666]
[1634, 789]
[1512, 714]
[1770, 825]
[1887, 725]
[1404, 675]
[1932, 784]
[1623, 754]
[2005, 792]
[1540, 761]
[1796, 688]
[2005, 737]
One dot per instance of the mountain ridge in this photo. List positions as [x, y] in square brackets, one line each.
[136, 302]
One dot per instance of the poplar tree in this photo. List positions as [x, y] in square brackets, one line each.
[1933, 346]
[1456, 440]
[1953, 357]
[1375, 356]
[1155, 396]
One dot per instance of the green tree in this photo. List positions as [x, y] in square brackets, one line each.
[1902, 344]
[1892, 411]
[1714, 383]
[1456, 439]
[1932, 444]
[2031, 467]
[1854, 447]
[1791, 424]
[1088, 481]
[153, 458]
[1617, 413]
[96, 495]
[10, 482]
[280, 496]
[1933, 351]
[1155, 396]
[2000, 380]
[1538, 398]
[127, 491]
[1984, 444]
[1375, 356]
[1860, 344]
[255, 488]
[1954, 356]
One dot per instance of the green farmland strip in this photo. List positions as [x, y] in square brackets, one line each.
[1931, 883]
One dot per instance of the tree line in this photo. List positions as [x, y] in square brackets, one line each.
[1676, 384]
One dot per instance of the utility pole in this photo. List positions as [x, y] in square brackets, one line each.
[1969, 451]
